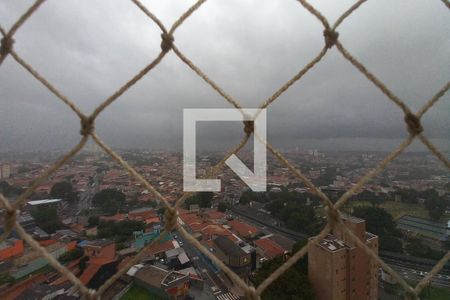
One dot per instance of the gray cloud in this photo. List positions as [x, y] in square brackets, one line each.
[88, 49]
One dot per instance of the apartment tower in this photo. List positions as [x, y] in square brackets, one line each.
[340, 270]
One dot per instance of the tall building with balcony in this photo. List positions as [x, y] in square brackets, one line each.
[339, 269]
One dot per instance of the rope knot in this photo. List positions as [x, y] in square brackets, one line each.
[331, 37]
[249, 127]
[6, 45]
[87, 126]
[413, 123]
[171, 217]
[167, 41]
[333, 216]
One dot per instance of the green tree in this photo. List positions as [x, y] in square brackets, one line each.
[302, 263]
[63, 190]
[378, 220]
[109, 200]
[222, 207]
[248, 196]
[203, 199]
[296, 216]
[292, 285]
[93, 221]
[8, 190]
[381, 223]
[436, 206]
[417, 247]
[46, 217]
[119, 231]
[71, 255]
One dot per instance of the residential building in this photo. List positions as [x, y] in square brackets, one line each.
[5, 171]
[101, 264]
[233, 256]
[162, 283]
[339, 269]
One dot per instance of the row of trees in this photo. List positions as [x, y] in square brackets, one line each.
[109, 201]
[64, 190]
[288, 206]
[381, 223]
[203, 200]
[119, 231]
[8, 190]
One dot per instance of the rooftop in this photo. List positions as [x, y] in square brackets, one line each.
[228, 247]
[243, 229]
[332, 243]
[269, 247]
[351, 218]
[98, 243]
[424, 227]
[44, 201]
[151, 275]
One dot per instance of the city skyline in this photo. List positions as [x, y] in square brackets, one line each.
[333, 103]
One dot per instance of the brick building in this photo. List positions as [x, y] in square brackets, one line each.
[235, 257]
[340, 270]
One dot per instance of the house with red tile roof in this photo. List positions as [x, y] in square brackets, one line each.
[142, 214]
[215, 216]
[267, 248]
[158, 249]
[11, 248]
[101, 263]
[114, 218]
[242, 229]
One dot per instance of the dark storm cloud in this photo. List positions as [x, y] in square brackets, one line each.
[250, 48]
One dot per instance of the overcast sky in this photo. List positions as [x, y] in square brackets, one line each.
[89, 48]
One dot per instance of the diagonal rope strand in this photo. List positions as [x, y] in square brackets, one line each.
[427, 279]
[129, 169]
[372, 78]
[44, 176]
[150, 15]
[128, 85]
[128, 265]
[47, 84]
[433, 100]
[209, 81]
[17, 25]
[345, 15]
[434, 150]
[372, 173]
[52, 261]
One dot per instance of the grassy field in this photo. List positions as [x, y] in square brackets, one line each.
[397, 209]
[428, 293]
[138, 293]
[436, 294]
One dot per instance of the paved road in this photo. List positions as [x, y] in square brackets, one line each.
[417, 273]
[212, 280]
